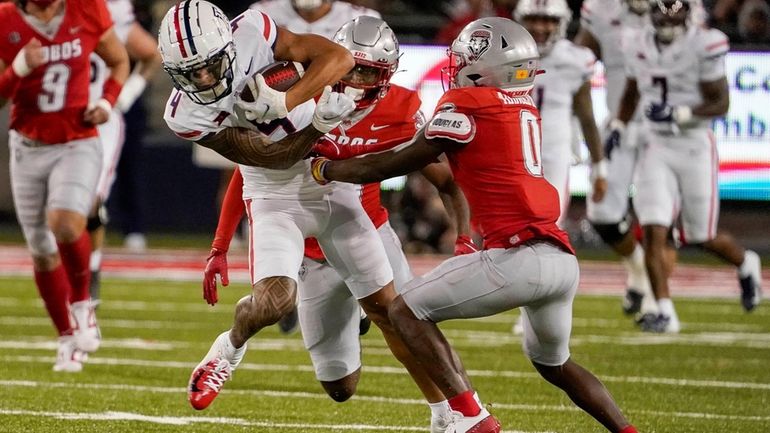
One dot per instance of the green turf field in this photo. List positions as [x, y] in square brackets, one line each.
[714, 377]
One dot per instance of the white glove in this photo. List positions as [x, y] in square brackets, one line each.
[269, 104]
[330, 109]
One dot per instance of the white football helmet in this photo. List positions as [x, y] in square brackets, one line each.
[493, 52]
[672, 18]
[375, 49]
[556, 10]
[196, 43]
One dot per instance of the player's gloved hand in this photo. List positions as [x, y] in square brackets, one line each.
[330, 109]
[464, 245]
[659, 112]
[318, 169]
[328, 148]
[216, 264]
[612, 142]
[269, 104]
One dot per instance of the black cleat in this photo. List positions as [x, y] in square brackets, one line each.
[632, 302]
[364, 325]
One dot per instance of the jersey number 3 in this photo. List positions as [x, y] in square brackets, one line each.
[530, 143]
[53, 88]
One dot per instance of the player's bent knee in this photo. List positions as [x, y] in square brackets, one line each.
[399, 311]
[611, 233]
[342, 389]
[273, 298]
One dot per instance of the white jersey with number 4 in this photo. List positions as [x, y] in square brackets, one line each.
[286, 16]
[671, 74]
[254, 34]
[608, 21]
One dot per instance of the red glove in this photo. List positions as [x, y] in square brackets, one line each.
[216, 264]
[464, 245]
[330, 149]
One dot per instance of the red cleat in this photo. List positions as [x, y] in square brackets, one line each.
[206, 382]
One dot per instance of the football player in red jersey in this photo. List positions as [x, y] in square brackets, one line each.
[489, 129]
[386, 115]
[56, 156]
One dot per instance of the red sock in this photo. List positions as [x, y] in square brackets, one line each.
[75, 257]
[465, 403]
[628, 429]
[54, 288]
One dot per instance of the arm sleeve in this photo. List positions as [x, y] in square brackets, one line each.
[231, 213]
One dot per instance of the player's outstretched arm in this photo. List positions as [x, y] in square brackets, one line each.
[584, 110]
[143, 48]
[375, 167]
[247, 147]
[326, 63]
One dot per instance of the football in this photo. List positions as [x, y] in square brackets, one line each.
[279, 76]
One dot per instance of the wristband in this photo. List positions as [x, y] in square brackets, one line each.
[682, 114]
[618, 125]
[599, 170]
[20, 66]
[318, 170]
[132, 89]
[111, 91]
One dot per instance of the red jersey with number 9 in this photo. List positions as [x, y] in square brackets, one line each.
[49, 103]
[500, 170]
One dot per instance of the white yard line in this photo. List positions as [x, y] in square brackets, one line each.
[376, 399]
[97, 360]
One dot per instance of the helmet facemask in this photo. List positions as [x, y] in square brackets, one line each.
[545, 30]
[208, 81]
[670, 18]
[370, 79]
[375, 50]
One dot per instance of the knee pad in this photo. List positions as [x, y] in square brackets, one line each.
[612, 233]
[98, 220]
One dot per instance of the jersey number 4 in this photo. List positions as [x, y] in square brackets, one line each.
[53, 88]
[530, 143]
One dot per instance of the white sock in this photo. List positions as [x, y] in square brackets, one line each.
[666, 307]
[743, 269]
[95, 263]
[440, 410]
[230, 352]
[634, 264]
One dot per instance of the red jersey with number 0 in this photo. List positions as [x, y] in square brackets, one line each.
[500, 169]
[394, 119]
[49, 103]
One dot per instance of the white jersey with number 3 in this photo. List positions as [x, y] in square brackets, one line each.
[286, 16]
[671, 74]
[254, 34]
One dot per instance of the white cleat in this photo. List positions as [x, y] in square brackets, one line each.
[88, 338]
[481, 423]
[439, 424]
[68, 357]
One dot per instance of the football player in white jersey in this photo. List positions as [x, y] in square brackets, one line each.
[320, 17]
[209, 61]
[142, 48]
[564, 90]
[604, 24]
[676, 75]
